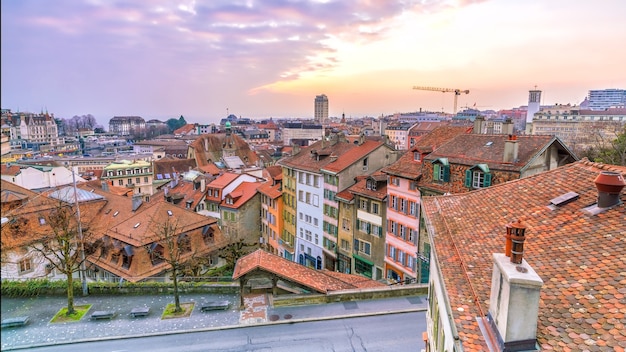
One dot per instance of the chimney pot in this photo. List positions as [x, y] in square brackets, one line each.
[609, 185]
[516, 231]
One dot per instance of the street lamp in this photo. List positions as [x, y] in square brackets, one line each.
[83, 275]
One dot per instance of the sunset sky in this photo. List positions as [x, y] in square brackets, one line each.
[259, 59]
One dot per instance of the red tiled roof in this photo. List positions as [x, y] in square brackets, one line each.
[270, 191]
[307, 160]
[241, 194]
[361, 188]
[223, 180]
[345, 195]
[352, 156]
[209, 168]
[12, 170]
[579, 256]
[321, 281]
[471, 149]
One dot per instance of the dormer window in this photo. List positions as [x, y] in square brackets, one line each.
[371, 185]
[441, 170]
[417, 156]
[478, 176]
[229, 200]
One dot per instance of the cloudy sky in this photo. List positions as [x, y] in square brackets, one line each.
[260, 59]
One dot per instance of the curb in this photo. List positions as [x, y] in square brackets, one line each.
[216, 328]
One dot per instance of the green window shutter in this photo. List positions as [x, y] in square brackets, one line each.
[446, 173]
[487, 181]
[358, 224]
[468, 178]
[368, 226]
[436, 172]
[380, 231]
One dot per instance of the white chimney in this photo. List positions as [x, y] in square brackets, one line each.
[514, 304]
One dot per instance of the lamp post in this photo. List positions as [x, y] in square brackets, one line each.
[83, 275]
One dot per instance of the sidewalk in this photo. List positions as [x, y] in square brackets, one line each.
[40, 332]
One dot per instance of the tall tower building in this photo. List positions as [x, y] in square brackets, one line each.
[534, 104]
[321, 108]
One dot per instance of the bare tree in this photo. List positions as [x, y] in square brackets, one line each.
[235, 250]
[176, 245]
[56, 238]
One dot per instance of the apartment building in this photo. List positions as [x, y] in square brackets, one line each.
[301, 133]
[398, 134]
[133, 174]
[126, 125]
[319, 173]
[271, 210]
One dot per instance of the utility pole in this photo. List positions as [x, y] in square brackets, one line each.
[83, 274]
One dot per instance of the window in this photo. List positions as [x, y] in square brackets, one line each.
[412, 208]
[478, 176]
[417, 156]
[394, 180]
[138, 180]
[145, 180]
[156, 253]
[345, 224]
[184, 243]
[345, 245]
[362, 246]
[375, 209]
[120, 182]
[441, 170]
[363, 204]
[371, 185]
[25, 265]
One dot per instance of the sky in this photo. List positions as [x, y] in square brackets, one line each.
[205, 59]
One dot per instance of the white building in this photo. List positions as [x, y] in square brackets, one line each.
[37, 176]
[606, 98]
[310, 195]
[301, 134]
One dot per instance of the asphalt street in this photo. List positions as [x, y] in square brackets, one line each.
[40, 310]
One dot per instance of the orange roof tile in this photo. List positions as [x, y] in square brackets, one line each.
[318, 280]
[223, 180]
[240, 195]
[272, 191]
[352, 156]
[579, 256]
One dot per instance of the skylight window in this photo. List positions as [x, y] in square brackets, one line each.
[115, 214]
[137, 225]
[489, 144]
[169, 213]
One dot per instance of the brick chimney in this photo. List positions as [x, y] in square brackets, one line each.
[511, 149]
[609, 185]
[514, 304]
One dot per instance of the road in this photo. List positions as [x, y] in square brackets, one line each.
[391, 332]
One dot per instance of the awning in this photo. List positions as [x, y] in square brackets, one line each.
[363, 259]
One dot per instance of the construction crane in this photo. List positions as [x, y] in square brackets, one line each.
[456, 92]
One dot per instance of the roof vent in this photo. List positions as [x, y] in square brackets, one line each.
[609, 185]
[564, 199]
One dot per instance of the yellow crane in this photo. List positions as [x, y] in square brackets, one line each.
[456, 92]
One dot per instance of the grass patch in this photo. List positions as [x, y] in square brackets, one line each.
[79, 312]
[169, 313]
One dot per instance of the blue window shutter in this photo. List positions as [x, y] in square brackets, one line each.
[436, 172]
[468, 178]
[487, 181]
[446, 173]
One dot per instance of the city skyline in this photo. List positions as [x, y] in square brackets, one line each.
[204, 60]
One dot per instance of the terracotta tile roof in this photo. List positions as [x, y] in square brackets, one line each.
[209, 148]
[209, 168]
[240, 195]
[352, 156]
[275, 172]
[345, 195]
[148, 217]
[306, 160]
[270, 191]
[580, 257]
[167, 165]
[471, 149]
[12, 170]
[223, 180]
[407, 167]
[185, 129]
[318, 280]
[361, 188]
